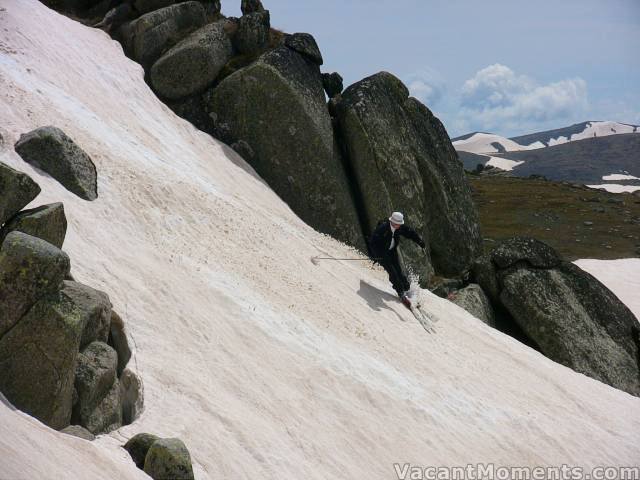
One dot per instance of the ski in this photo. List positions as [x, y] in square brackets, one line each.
[414, 305]
[423, 319]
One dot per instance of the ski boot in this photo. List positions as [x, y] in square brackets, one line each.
[405, 300]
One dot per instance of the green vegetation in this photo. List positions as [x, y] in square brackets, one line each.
[577, 221]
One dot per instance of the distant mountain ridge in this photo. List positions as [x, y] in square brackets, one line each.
[588, 129]
[488, 143]
[603, 154]
[585, 161]
[468, 135]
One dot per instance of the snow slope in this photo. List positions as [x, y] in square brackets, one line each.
[266, 365]
[483, 143]
[503, 163]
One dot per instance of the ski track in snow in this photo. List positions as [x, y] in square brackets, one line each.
[266, 365]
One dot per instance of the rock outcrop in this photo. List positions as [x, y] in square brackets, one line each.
[95, 308]
[473, 299]
[47, 222]
[252, 34]
[573, 318]
[116, 17]
[292, 153]
[106, 415]
[251, 6]
[402, 159]
[45, 322]
[118, 341]
[78, 431]
[138, 446]
[306, 45]
[332, 83]
[38, 359]
[146, 38]
[30, 268]
[212, 10]
[95, 378]
[146, 6]
[376, 149]
[17, 189]
[160, 458]
[50, 149]
[193, 64]
[168, 458]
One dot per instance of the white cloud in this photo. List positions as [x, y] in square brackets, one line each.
[427, 85]
[496, 97]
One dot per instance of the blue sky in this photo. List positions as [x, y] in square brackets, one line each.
[503, 66]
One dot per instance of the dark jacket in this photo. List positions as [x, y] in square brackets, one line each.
[380, 239]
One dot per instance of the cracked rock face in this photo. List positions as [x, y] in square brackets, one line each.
[403, 160]
[95, 375]
[38, 359]
[193, 64]
[95, 308]
[30, 268]
[147, 37]
[290, 154]
[47, 222]
[106, 415]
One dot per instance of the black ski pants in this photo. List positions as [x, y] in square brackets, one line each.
[391, 263]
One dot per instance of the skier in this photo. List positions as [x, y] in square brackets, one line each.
[384, 243]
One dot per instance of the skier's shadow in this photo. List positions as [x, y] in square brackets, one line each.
[377, 299]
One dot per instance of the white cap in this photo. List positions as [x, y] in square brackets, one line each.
[397, 217]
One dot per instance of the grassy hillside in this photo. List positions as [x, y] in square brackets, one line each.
[559, 214]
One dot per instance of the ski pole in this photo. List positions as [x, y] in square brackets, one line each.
[314, 260]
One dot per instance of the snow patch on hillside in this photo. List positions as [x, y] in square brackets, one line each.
[616, 188]
[503, 163]
[622, 277]
[482, 143]
[266, 365]
[619, 176]
[595, 129]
